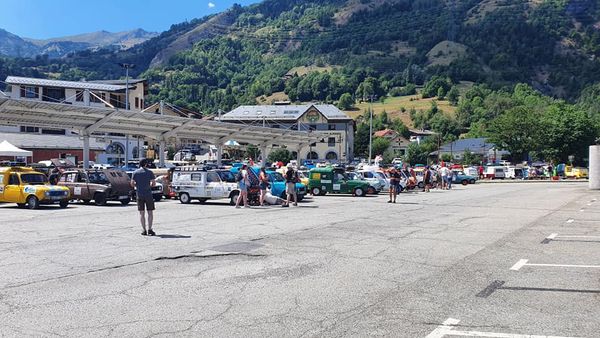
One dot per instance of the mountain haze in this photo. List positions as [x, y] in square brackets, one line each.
[13, 45]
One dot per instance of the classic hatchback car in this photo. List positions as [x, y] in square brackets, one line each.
[278, 187]
[97, 185]
[194, 183]
[30, 188]
[334, 180]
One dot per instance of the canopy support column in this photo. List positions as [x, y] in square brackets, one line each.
[264, 154]
[86, 151]
[161, 153]
[219, 154]
[126, 150]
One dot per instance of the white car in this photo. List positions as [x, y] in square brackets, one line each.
[202, 185]
[375, 186]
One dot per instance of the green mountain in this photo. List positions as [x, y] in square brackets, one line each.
[321, 49]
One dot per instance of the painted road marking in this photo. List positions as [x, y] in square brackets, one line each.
[523, 262]
[570, 220]
[554, 236]
[447, 329]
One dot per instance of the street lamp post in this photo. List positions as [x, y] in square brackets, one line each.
[127, 67]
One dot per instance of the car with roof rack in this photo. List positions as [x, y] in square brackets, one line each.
[198, 183]
[29, 188]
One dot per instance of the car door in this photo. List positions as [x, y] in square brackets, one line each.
[214, 185]
[197, 186]
[12, 190]
[340, 182]
[79, 188]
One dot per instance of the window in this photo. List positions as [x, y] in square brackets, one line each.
[72, 177]
[197, 177]
[53, 94]
[30, 92]
[79, 95]
[331, 127]
[212, 178]
[312, 127]
[28, 129]
[331, 141]
[82, 177]
[141, 103]
[13, 179]
[312, 156]
[53, 131]
[331, 156]
[137, 102]
[95, 99]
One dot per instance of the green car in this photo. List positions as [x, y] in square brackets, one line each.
[334, 180]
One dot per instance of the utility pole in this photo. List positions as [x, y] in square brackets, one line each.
[127, 66]
[371, 128]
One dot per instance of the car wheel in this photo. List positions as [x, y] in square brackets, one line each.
[100, 199]
[464, 182]
[233, 198]
[371, 191]
[316, 191]
[157, 198]
[126, 201]
[421, 185]
[472, 182]
[202, 200]
[33, 202]
[359, 192]
[300, 198]
[86, 201]
[184, 198]
[63, 204]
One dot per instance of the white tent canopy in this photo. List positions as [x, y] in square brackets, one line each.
[7, 149]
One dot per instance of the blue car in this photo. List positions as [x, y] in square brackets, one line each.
[462, 178]
[277, 182]
[278, 186]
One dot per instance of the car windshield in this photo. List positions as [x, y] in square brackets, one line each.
[277, 177]
[33, 179]
[98, 178]
[226, 176]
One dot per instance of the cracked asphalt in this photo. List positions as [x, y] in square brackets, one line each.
[336, 266]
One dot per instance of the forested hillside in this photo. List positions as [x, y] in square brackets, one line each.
[369, 47]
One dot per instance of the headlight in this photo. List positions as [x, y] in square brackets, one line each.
[47, 193]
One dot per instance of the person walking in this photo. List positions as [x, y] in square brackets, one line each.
[243, 184]
[291, 178]
[263, 185]
[445, 175]
[142, 181]
[394, 185]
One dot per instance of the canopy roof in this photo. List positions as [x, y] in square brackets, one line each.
[108, 120]
[7, 149]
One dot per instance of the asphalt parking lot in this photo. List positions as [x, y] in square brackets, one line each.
[489, 260]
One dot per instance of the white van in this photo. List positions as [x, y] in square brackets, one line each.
[495, 172]
[191, 183]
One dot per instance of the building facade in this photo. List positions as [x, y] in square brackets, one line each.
[398, 143]
[109, 148]
[336, 146]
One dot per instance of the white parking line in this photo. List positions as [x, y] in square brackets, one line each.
[570, 220]
[447, 329]
[552, 236]
[523, 262]
[577, 236]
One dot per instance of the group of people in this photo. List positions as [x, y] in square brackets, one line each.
[266, 198]
[440, 178]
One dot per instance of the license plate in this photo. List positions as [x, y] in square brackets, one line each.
[123, 197]
[55, 198]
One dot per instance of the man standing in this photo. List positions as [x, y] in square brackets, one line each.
[142, 181]
[394, 184]
[291, 178]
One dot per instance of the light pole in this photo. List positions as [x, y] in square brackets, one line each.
[371, 128]
[127, 66]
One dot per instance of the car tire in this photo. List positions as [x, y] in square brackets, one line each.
[371, 191]
[157, 198]
[420, 185]
[125, 202]
[86, 201]
[316, 191]
[359, 192]
[185, 198]
[300, 198]
[234, 197]
[63, 204]
[472, 182]
[33, 202]
[464, 182]
[100, 199]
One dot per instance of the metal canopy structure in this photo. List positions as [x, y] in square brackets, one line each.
[88, 120]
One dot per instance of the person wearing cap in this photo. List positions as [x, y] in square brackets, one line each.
[142, 181]
[291, 178]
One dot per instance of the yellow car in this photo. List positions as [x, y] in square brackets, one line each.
[30, 188]
[576, 172]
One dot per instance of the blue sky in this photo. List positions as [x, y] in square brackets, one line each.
[41, 19]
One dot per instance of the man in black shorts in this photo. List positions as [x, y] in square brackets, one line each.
[143, 181]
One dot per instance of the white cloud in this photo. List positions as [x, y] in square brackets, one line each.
[211, 5]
